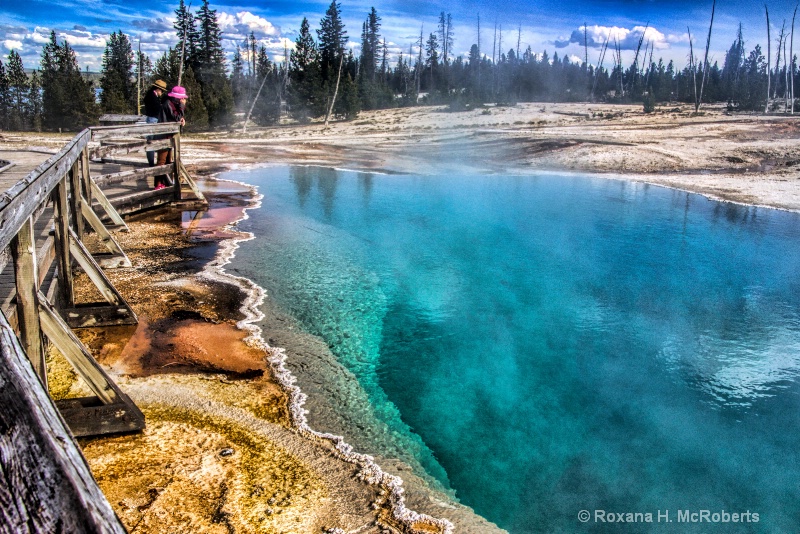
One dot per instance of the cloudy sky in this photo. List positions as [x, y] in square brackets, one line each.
[552, 26]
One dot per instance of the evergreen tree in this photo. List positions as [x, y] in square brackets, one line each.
[35, 102]
[304, 76]
[4, 98]
[185, 25]
[17, 93]
[68, 100]
[118, 88]
[332, 41]
[210, 68]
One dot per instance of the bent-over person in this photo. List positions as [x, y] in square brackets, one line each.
[172, 110]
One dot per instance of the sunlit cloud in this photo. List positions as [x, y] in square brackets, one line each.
[10, 44]
[627, 39]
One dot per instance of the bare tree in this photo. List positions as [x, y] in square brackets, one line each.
[769, 58]
[335, 91]
[599, 66]
[791, 58]
[693, 67]
[705, 59]
[778, 60]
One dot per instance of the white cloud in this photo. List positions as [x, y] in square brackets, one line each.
[10, 44]
[628, 39]
[241, 24]
[83, 39]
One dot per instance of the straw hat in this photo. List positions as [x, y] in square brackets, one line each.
[160, 84]
[178, 92]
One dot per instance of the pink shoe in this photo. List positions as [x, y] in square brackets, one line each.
[160, 186]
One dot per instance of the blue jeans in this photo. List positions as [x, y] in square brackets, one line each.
[151, 154]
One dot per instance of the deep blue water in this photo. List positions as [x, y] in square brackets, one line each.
[552, 344]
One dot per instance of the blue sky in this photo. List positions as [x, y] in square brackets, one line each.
[552, 26]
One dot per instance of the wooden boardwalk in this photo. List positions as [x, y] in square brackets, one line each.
[49, 205]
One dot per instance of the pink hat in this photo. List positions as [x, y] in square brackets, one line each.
[178, 92]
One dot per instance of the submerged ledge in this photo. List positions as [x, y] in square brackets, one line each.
[200, 401]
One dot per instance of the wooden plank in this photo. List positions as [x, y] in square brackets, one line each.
[73, 350]
[103, 151]
[61, 220]
[76, 198]
[105, 180]
[137, 130]
[127, 162]
[88, 416]
[105, 236]
[114, 117]
[23, 250]
[47, 485]
[22, 199]
[192, 184]
[116, 219]
[94, 272]
[85, 316]
[176, 171]
[85, 174]
[142, 200]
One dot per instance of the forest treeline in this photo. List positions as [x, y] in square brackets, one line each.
[320, 76]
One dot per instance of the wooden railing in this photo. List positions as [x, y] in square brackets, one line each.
[45, 475]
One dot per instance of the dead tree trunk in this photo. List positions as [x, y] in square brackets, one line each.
[705, 59]
[694, 69]
[791, 60]
[769, 59]
[253, 105]
[335, 92]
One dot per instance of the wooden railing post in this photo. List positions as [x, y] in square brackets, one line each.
[61, 220]
[23, 250]
[176, 168]
[87, 184]
[76, 195]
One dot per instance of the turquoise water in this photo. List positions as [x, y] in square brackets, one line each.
[550, 344]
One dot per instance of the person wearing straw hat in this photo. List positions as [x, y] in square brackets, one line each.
[172, 110]
[152, 109]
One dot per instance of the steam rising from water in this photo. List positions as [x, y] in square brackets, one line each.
[551, 344]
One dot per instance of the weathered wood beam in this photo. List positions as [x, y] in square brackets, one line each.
[104, 203]
[46, 484]
[102, 314]
[105, 236]
[142, 200]
[85, 176]
[127, 176]
[129, 162]
[94, 272]
[88, 416]
[23, 250]
[76, 198]
[176, 171]
[192, 184]
[61, 220]
[127, 148]
[138, 130]
[60, 335]
[27, 195]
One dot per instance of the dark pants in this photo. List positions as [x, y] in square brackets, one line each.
[151, 154]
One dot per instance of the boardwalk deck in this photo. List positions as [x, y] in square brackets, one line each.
[50, 202]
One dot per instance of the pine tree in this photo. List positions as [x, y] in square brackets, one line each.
[185, 25]
[68, 100]
[35, 102]
[332, 41]
[17, 92]
[304, 76]
[118, 88]
[210, 68]
[4, 98]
